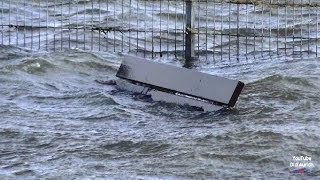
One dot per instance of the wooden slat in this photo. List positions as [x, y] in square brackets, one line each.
[171, 98]
[185, 81]
[166, 97]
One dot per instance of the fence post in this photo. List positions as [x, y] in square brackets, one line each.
[189, 44]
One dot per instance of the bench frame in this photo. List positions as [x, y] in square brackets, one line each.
[177, 85]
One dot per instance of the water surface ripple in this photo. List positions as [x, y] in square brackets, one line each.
[57, 122]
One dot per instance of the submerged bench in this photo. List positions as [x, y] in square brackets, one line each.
[177, 85]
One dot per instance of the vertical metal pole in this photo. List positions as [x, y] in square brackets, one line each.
[17, 29]
[122, 24]
[61, 25]
[183, 25]
[168, 30]
[114, 25]
[238, 32]
[24, 25]
[39, 39]
[206, 30]
[77, 23]
[221, 32]
[10, 22]
[129, 25]
[152, 35]
[262, 31]
[92, 15]
[54, 26]
[32, 16]
[175, 30]
[198, 33]
[254, 32]
[317, 38]
[309, 21]
[229, 29]
[301, 27]
[160, 29]
[85, 24]
[278, 22]
[214, 32]
[247, 21]
[107, 34]
[137, 27]
[293, 28]
[189, 43]
[145, 29]
[69, 25]
[270, 28]
[286, 29]
[2, 27]
[99, 1]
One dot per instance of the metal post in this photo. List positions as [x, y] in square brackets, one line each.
[189, 50]
[238, 32]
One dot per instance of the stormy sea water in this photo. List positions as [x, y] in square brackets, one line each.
[57, 122]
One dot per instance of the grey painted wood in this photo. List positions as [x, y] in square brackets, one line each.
[166, 97]
[181, 80]
[125, 85]
[171, 98]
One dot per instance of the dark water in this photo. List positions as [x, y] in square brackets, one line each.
[57, 122]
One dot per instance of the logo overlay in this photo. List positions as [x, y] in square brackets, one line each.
[301, 165]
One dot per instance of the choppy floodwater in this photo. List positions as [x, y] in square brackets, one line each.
[57, 122]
